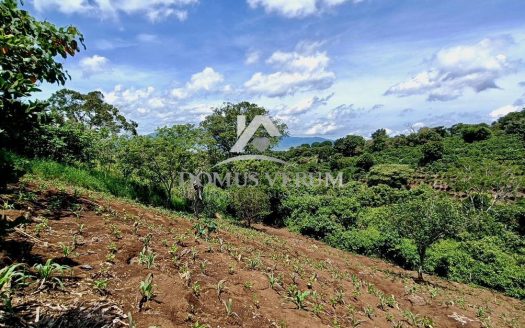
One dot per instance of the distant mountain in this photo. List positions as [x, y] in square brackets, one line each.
[288, 142]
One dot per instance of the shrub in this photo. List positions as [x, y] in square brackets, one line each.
[475, 133]
[315, 226]
[250, 203]
[393, 175]
[367, 242]
[365, 161]
[11, 168]
[432, 151]
[215, 200]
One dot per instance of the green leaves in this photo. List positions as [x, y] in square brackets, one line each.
[29, 48]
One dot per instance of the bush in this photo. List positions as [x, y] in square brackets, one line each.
[315, 226]
[432, 151]
[250, 203]
[393, 175]
[471, 134]
[215, 200]
[365, 161]
[11, 168]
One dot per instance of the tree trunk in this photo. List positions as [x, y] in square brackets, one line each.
[422, 254]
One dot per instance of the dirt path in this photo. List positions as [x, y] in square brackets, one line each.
[223, 280]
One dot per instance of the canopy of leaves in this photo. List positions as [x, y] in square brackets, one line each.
[89, 110]
[29, 48]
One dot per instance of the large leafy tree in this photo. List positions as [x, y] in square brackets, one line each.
[221, 125]
[29, 49]
[425, 221]
[89, 110]
[160, 159]
[350, 145]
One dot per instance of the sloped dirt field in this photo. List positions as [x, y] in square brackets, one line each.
[235, 277]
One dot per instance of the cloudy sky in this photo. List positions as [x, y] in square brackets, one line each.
[326, 67]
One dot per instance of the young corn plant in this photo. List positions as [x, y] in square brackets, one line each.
[221, 288]
[146, 290]
[229, 307]
[47, 273]
[196, 288]
[101, 286]
[66, 249]
[369, 311]
[147, 258]
[299, 298]
[9, 276]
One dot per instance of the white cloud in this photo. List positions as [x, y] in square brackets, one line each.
[296, 8]
[93, 65]
[456, 69]
[502, 111]
[155, 10]
[297, 72]
[252, 58]
[321, 128]
[208, 80]
[305, 105]
[129, 98]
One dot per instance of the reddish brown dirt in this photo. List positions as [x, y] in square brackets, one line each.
[348, 288]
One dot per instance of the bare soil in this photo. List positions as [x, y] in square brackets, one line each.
[345, 290]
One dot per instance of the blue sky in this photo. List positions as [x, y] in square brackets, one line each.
[325, 67]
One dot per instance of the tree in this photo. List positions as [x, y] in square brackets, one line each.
[28, 50]
[221, 126]
[365, 161]
[89, 110]
[250, 203]
[160, 159]
[432, 151]
[513, 123]
[350, 145]
[379, 140]
[474, 133]
[425, 221]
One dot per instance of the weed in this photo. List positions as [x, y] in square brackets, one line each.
[248, 285]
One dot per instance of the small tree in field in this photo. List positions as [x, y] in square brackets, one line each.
[425, 221]
[250, 204]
